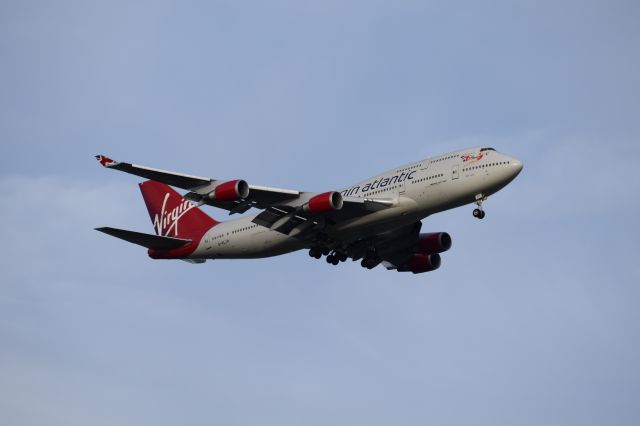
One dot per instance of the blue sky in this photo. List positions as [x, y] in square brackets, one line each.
[532, 318]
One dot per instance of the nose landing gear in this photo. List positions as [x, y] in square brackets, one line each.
[479, 213]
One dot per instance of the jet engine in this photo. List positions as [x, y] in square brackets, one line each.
[433, 243]
[419, 263]
[230, 191]
[324, 203]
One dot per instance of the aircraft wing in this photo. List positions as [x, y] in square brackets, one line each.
[399, 249]
[393, 246]
[292, 219]
[287, 211]
[199, 187]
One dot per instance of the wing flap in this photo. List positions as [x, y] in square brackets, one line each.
[259, 196]
[151, 241]
[292, 220]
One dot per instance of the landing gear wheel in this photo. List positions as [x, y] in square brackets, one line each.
[342, 257]
[334, 258]
[479, 213]
[315, 252]
[369, 263]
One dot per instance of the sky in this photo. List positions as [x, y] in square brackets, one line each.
[532, 318]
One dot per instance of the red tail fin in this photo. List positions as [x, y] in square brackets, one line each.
[172, 215]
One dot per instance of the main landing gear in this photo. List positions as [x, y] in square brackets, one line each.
[479, 213]
[333, 257]
[336, 257]
[315, 252]
[370, 262]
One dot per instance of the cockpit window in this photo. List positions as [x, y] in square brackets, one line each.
[487, 149]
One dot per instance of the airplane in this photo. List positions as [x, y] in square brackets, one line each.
[376, 221]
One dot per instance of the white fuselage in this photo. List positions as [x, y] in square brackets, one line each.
[417, 190]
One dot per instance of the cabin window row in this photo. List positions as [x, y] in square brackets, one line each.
[382, 190]
[482, 166]
[415, 166]
[243, 229]
[429, 178]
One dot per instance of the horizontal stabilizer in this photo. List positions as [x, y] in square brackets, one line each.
[155, 242]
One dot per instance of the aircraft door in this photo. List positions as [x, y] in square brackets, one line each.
[455, 172]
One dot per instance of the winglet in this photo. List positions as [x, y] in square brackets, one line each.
[106, 161]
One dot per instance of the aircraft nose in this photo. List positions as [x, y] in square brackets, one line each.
[516, 166]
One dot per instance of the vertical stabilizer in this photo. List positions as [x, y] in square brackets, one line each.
[171, 214]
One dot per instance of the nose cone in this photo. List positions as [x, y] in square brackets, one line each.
[516, 166]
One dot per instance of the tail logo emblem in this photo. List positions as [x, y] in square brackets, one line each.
[165, 222]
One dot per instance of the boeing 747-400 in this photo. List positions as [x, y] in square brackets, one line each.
[375, 221]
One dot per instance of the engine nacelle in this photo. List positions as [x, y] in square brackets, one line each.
[324, 203]
[420, 263]
[433, 243]
[230, 191]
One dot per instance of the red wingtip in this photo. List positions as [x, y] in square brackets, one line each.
[105, 161]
